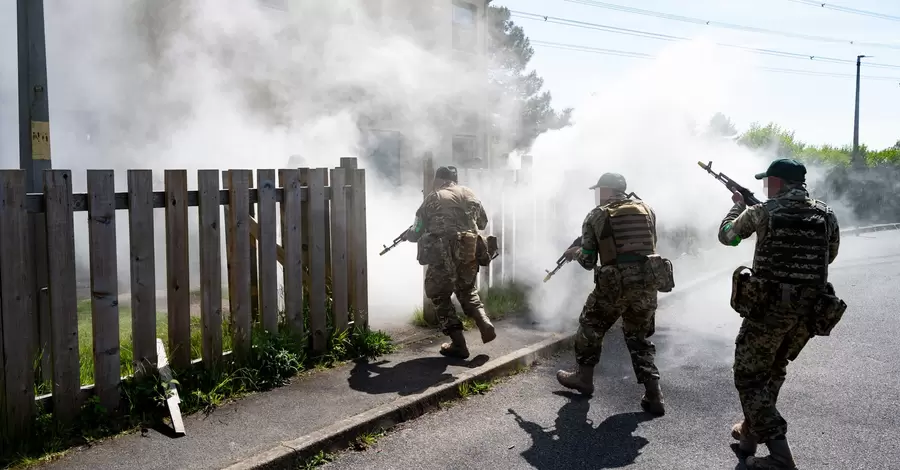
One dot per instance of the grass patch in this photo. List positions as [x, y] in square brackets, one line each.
[368, 439]
[318, 460]
[274, 359]
[499, 302]
[475, 387]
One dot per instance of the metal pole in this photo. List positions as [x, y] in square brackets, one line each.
[34, 152]
[856, 161]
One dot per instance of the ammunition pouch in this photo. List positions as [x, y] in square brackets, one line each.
[661, 273]
[429, 249]
[754, 298]
[486, 249]
[465, 248]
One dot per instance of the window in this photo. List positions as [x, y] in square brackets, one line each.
[383, 150]
[464, 151]
[465, 31]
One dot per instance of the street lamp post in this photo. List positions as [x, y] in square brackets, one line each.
[856, 160]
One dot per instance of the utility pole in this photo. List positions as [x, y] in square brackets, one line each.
[34, 154]
[856, 160]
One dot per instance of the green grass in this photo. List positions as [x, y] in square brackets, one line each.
[499, 302]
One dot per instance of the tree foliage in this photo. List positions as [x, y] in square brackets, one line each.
[510, 52]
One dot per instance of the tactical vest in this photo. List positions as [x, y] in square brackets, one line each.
[452, 212]
[628, 234]
[795, 250]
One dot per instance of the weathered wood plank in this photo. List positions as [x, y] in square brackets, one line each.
[267, 244]
[63, 300]
[317, 271]
[254, 264]
[361, 274]
[339, 274]
[229, 237]
[178, 268]
[327, 217]
[291, 223]
[16, 307]
[143, 270]
[239, 260]
[304, 229]
[210, 268]
[104, 286]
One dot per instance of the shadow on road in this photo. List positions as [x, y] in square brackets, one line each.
[409, 377]
[574, 443]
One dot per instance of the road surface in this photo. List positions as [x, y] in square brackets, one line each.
[840, 399]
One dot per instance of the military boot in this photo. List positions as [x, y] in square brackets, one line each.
[652, 401]
[779, 458]
[457, 346]
[484, 326]
[746, 442]
[581, 380]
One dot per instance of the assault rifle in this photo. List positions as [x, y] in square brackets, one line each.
[561, 261]
[732, 186]
[400, 238]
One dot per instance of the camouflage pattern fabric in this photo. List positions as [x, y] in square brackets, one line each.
[620, 291]
[451, 215]
[761, 355]
[596, 230]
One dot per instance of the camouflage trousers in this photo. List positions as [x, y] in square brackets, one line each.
[448, 278]
[637, 308]
[762, 351]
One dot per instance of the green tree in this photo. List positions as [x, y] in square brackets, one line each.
[510, 52]
[721, 125]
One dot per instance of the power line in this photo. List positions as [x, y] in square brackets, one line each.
[719, 24]
[641, 55]
[854, 11]
[666, 37]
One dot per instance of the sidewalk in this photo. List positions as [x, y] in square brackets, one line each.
[257, 423]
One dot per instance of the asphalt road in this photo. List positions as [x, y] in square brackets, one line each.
[840, 399]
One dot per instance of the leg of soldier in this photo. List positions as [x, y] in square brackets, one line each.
[467, 295]
[597, 317]
[439, 288]
[638, 323]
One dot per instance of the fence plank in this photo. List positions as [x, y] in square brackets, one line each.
[143, 270]
[178, 268]
[291, 223]
[63, 300]
[361, 270]
[327, 225]
[304, 229]
[267, 245]
[104, 286]
[254, 264]
[239, 260]
[210, 267]
[16, 306]
[339, 289]
[317, 272]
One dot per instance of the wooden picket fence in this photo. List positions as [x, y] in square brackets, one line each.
[322, 254]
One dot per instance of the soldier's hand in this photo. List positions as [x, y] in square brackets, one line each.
[737, 198]
[572, 252]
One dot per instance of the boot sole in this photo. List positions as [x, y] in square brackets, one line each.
[488, 336]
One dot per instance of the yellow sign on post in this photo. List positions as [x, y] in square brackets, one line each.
[40, 140]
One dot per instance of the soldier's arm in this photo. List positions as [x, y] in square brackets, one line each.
[834, 241]
[741, 223]
[590, 243]
[417, 229]
[481, 218]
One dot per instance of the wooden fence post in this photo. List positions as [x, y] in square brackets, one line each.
[267, 244]
[143, 270]
[339, 236]
[63, 300]
[254, 264]
[291, 225]
[316, 220]
[178, 268]
[356, 242]
[16, 309]
[428, 313]
[210, 267]
[239, 261]
[104, 286]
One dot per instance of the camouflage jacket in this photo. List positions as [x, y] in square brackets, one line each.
[742, 222]
[597, 223]
[450, 209]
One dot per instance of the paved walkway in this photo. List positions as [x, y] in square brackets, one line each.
[310, 403]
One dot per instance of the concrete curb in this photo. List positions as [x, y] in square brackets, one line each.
[340, 435]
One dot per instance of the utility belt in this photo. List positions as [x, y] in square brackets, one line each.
[465, 246]
[635, 272]
[755, 298]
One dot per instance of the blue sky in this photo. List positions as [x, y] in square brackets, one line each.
[818, 108]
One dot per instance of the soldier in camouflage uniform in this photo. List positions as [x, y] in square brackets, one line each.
[797, 238]
[623, 232]
[446, 230]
